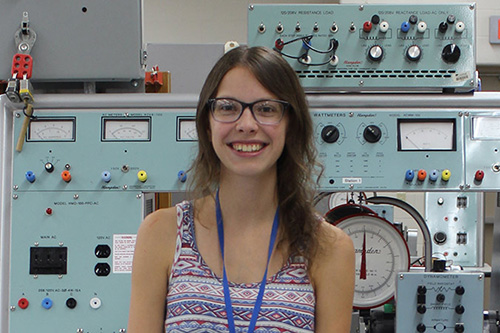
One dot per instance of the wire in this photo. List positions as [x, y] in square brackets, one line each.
[306, 40]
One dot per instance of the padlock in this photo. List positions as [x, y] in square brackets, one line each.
[26, 90]
[12, 91]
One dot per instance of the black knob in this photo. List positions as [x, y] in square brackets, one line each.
[443, 26]
[440, 298]
[375, 19]
[330, 134]
[71, 303]
[49, 167]
[372, 133]
[420, 327]
[413, 19]
[459, 309]
[460, 290]
[459, 328]
[451, 53]
[375, 53]
[413, 53]
[421, 290]
[421, 308]
[440, 237]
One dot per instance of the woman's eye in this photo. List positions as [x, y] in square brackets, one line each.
[227, 107]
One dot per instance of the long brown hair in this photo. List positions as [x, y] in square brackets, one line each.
[297, 164]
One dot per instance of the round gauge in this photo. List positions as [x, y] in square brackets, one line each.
[381, 253]
[126, 130]
[426, 135]
[51, 130]
[337, 199]
[342, 198]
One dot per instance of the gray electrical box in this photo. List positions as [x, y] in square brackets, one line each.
[76, 41]
[495, 29]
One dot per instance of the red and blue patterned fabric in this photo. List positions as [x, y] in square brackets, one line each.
[195, 297]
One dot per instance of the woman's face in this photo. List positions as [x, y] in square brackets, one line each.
[245, 147]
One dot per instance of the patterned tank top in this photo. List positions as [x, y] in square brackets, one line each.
[195, 296]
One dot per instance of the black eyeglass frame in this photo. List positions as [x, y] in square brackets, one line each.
[211, 102]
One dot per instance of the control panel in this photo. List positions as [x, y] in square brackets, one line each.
[73, 198]
[455, 224]
[439, 302]
[371, 46]
[482, 143]
[376, 149]
[80, 188]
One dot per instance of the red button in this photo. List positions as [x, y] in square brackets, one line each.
[48, 211]
[367, 26]
[479, 175]
[23, 303]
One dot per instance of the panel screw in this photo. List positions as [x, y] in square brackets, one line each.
[250, 7]
[76, 196]
[15, 187]
[14, 196]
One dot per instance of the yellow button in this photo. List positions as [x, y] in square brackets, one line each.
[445, 175]
[142, 176]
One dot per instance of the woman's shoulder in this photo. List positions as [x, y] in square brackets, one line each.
[334, 244]
[160, 227]
[334, 237]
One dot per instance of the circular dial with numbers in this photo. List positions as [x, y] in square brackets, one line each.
[381, 253]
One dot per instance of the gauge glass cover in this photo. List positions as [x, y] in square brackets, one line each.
[487, 128]
[51, 129]
[386, 254]
[426, 135]
[133, 129]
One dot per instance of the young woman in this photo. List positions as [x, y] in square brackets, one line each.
[249, 253]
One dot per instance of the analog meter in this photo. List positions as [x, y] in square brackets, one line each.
[426, 135]
[485, 128]
[186, 129]
[381, 253]
[51, 129]
[126, 129]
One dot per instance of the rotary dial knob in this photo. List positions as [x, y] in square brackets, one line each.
[376, 53]
[372, 133]
[330, 134]
[451, 53]
[413, 53]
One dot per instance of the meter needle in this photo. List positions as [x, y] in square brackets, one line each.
[362, 272]
[413, 143]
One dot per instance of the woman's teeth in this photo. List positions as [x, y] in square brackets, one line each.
[247, 147]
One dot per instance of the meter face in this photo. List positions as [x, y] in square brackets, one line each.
[485, 128]
[51, 129]
[129, 129]
[186, 129]
[426, 135]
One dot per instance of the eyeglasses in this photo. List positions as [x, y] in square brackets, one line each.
[265, 111]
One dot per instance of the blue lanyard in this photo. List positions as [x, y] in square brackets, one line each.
[225, 284]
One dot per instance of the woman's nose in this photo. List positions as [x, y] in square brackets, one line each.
[247, 121]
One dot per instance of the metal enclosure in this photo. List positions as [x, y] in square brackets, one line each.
[371, 47]
[76, 41]
[145, 143]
